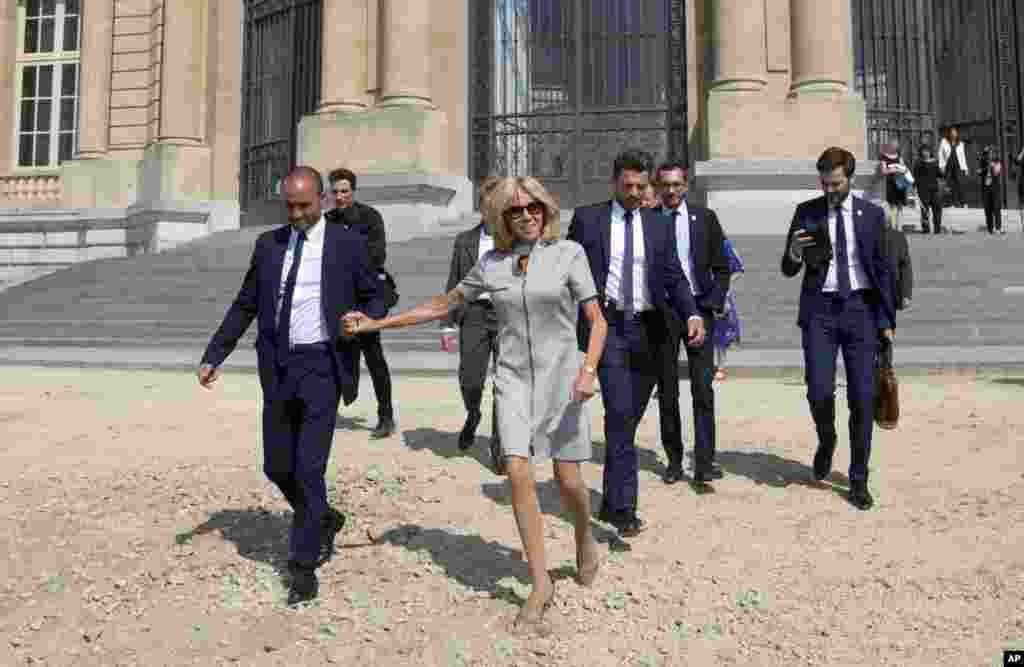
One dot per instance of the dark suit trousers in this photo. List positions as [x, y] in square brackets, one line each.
[369, 346]
[850, 325]
[628, 373]
[478, 346]
[298, 426]
[991, 199]
[700, 364]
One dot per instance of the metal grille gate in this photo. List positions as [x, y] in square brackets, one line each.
[281, 83]
[559, 87]
[894, 71]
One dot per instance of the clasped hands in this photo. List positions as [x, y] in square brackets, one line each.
[355, 322]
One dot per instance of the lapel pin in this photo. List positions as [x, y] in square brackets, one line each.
[860, 212]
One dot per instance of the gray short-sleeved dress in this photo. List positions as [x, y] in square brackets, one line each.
[538, 358]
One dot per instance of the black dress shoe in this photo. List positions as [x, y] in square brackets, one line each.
[333, 524]
[497, 458]
[823, 461]
[304, 585]
[626, 523]
[385, 427]
[468, 434]
[673, 474]
[860, 497]
[632, 527]
[710, 474]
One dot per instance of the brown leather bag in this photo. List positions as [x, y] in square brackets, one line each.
[887, 396]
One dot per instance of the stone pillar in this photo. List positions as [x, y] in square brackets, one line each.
[344, 58]
[183, 72]
[8, 37]
[406, 32]
[822, 43]
[741, 55]
[96, 60]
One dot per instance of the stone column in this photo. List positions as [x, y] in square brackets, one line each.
[96, 59]
[406, 30]
[822, 43]
[741, 56]
[183, 72]
[344, 59]
[8, 37]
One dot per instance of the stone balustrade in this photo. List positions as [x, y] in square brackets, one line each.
[30, 191]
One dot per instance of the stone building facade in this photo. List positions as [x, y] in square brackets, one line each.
[130, 125]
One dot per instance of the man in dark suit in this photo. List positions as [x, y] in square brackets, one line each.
[639, 279]
[478, 332]
[367, 222]
[846, 302]
[302, 278]
[700, 244]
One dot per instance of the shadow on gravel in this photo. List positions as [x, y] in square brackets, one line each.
[1013, 382]
[472, 561]
[346, 423]
[445, 444]
[551, 504]
[259, 535]
[776, 471]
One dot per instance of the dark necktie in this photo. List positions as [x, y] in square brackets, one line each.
[627, 268]
[842, 256]
[284, 315]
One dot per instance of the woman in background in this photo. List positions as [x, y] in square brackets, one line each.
[728, 329]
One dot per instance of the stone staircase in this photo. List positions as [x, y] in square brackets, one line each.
[969, 291]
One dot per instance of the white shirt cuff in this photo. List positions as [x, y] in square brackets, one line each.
[695, 317]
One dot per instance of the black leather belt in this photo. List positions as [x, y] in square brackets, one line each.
[309, 347]
[612, 307]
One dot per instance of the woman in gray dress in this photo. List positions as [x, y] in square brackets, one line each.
[542, 381]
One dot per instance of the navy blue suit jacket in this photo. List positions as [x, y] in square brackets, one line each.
[348, 283]
[869, 228]
[707, 249]
[591, 227]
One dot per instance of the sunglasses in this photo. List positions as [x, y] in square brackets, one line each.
[515, 212]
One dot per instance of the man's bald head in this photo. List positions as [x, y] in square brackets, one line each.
[302, 189]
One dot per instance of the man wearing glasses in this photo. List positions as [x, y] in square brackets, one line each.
[700, 244]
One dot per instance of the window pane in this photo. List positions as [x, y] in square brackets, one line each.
[28, 116]
[71, 33]
[67, 146]
[46, 34]
[33, 8]
[42, 150]
[49, 7]
[45, 81]
[68, 79]
[31, 36]
[67, 114]
[28, 81]
[43, 116]
[72, 7]
[25, 150]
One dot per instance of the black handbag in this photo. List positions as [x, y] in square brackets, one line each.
[388, 288]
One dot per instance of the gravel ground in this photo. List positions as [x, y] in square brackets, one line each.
[138, 530]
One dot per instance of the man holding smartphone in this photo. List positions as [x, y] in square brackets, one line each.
[846, 302]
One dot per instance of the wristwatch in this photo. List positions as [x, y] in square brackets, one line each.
[589, 369]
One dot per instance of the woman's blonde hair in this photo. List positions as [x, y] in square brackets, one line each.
[501, 197]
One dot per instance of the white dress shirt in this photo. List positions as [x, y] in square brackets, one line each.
[683, 246]
[307, 323]
[486, 245]
[641, 293]
[858, 277]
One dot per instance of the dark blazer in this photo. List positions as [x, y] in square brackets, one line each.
[670, 291]
[897, 249]
[869, 228]
[367, 222]
[348, 283]
[464, 258]
[707, 248]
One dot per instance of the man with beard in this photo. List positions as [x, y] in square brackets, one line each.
[846, 302]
